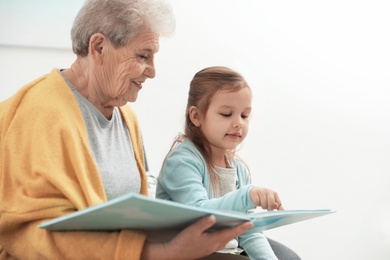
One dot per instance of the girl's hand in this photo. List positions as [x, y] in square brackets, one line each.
[265, 198]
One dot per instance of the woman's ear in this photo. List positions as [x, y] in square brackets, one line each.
[195, 116]
[96, 43]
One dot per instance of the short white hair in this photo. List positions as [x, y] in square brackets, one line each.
[120, 21]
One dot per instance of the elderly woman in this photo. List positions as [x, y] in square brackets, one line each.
[68, 140]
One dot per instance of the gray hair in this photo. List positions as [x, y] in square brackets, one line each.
[120, 21]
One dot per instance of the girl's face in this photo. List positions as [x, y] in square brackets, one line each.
[226, 122]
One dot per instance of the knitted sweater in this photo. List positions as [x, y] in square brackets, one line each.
[47, 170]
[184, 178]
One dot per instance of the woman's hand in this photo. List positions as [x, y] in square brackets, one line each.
[265, 198]
[194, 242]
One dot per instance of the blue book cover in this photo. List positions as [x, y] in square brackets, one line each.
[157, 217]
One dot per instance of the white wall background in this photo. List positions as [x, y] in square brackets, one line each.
[319, 71]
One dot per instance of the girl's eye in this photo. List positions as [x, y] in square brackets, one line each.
[225, 115]
[244, 116]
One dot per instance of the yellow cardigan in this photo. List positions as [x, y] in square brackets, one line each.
[47, 170]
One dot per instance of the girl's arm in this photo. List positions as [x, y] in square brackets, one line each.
[184, 178]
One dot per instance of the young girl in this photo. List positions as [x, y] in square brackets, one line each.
[202, 169]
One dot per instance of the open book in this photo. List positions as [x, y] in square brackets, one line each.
[162, 219]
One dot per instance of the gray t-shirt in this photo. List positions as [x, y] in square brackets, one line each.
[111, 147]
[227, 183]
[227, 180]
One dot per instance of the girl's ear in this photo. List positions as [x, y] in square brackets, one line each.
[195, 116]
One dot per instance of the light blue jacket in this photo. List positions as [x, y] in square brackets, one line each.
[184, 178]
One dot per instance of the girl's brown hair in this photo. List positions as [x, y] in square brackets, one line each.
[203, 86]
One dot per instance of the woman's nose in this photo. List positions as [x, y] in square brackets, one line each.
[150, 71]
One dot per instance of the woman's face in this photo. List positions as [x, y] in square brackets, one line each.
[122, 71]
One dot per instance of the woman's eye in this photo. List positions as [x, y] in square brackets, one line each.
[143, 57]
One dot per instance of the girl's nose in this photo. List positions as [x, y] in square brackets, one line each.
[238, 124]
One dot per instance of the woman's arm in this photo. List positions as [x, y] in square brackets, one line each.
[193, 242]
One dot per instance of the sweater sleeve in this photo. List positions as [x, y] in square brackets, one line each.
[47, 171]
[22, 239]
[184, 178]
[256, 246]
